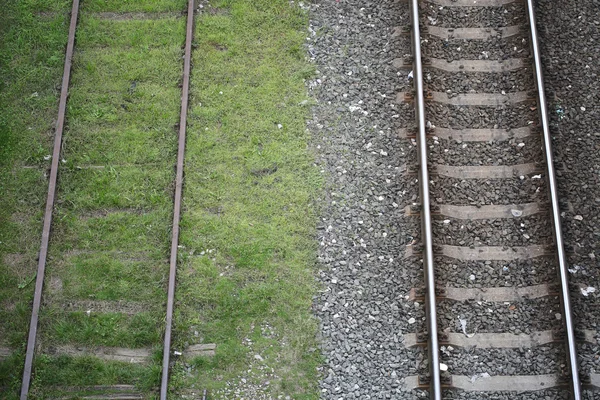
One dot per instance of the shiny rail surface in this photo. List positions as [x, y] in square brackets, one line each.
[435, 386]
[164, 385]
[433, 344]
[39, 281]
[560, 251]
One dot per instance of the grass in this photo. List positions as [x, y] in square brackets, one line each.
[105, 329]
[112, 224]
[62, 371]
[134, 231]
[117, 187]
[109, 277]
[31, 61]
[144, 34]
[245, 278]
[134, 5]
[111, 230]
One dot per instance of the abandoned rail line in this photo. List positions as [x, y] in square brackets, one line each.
[117, 391]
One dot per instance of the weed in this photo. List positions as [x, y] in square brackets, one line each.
[111, 229]
[31, 54]
[246, 282]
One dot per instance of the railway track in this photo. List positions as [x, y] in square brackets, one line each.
[133, 356]
[43, 255]
[487, 229]
[496, 279]
[164, 384]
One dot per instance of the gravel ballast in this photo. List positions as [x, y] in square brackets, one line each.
[509, 152]
[364, 307]
[570, 45]
[481, 274]
[487, 191]
[477, 82]
[493, 232]
[474, 17]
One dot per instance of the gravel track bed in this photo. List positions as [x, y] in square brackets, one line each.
[504, 117]
[548, 394]
[570, 45]
[586, 316]
[482, 274]
[497, 48]
[526, 316]
[590, 394]
[525, 231]
[526, 361]
[474, 17]
[478, 82]
[581, 220]
[582, 277]
[588, 362]
[351, 87]
[487, 191]
[363, 306]
[510, 152]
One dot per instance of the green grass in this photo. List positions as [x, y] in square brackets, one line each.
[143, 34]
[111, 277]
[31, 62]
[111, 231]
[134, 5]
[117, 187]
[247, 246]
[110, 146]
[62, 371]
[248, 198]
[135, 231]
[104, 329]
[122, 66]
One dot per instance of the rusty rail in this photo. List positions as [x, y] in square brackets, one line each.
[177, 201]
[39, 282]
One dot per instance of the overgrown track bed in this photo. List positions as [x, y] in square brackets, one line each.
[102, 265]
[241, 321]
[245, 278]
[481, 233]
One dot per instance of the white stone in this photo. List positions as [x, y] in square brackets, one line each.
[588, 290]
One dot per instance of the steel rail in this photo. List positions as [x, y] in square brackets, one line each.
[177, 200]
[435, 391]
[562, 263]
[39, 281]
